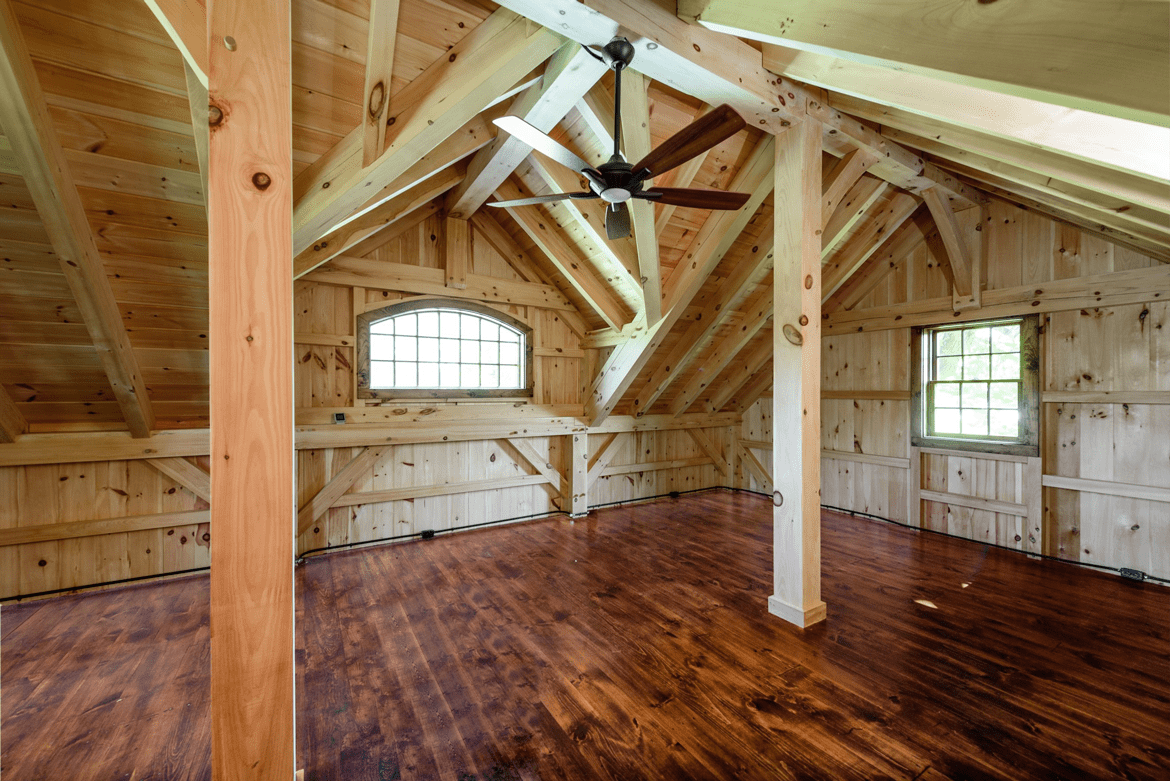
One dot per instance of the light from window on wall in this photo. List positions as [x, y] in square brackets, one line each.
[443, 349]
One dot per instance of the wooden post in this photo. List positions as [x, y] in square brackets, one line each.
[913, 487]
[250, 287]
[579, 475]
[796, 393]
[457, 251]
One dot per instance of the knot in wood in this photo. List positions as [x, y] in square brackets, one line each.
[777, 498]
[377, 100]
[214, 115]
[808, 282]
[792, 334]
[804, 319]
[261, 180]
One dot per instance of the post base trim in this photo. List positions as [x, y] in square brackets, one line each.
[802, 617]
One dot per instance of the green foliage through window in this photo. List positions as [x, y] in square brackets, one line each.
[973, 383]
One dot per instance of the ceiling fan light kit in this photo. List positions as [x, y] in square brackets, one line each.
[616, 181]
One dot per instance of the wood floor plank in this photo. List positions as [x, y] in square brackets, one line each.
[631, 644]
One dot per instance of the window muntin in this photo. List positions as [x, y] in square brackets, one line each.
[440, 348]
[445, 349]
[977, 386]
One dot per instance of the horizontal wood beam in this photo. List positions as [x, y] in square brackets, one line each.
[871, 395]
[1135, 286]
[865, 458]
[1107, 487]
[1105, 397]
[49, 532]
[974, 502]
[655, 466]
[446, 489]
[419, 428]
[381, 275]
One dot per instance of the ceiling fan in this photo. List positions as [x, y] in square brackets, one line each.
[616, 181]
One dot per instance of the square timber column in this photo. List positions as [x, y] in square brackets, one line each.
[253, 516]
[796, 386]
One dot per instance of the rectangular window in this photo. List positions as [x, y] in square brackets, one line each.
[976, 386]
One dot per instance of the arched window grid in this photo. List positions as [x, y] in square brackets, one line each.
[443, 349]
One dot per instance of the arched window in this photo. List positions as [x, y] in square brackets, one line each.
[442, 348]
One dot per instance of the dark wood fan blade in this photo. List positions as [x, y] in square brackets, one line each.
[617, 221]
[696, 199]
[537, 199]
[694, 139]
[541, 143]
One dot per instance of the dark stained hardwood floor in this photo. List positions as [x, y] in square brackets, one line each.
[634, 644]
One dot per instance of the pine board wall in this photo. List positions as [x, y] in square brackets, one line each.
[97, 522]
[1105, 401]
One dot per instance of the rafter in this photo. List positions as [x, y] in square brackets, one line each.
[744, 277]
[620, 256]
[379, 70]
[845, 174]
[395, 230]
[197, 101]
[756, 360]
[185, 22]
[1109, 227]
[636, 143]
[711, 243]
[444, 97]
[544, 235]
[907, 100]
[489, 229]
[853, 207]
[718, 69]
[340, 240]
[756, 387]
[1142, 204]
[569, 75]
[29, 129]
[865, 241]
[757, 313]
[893, 251]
